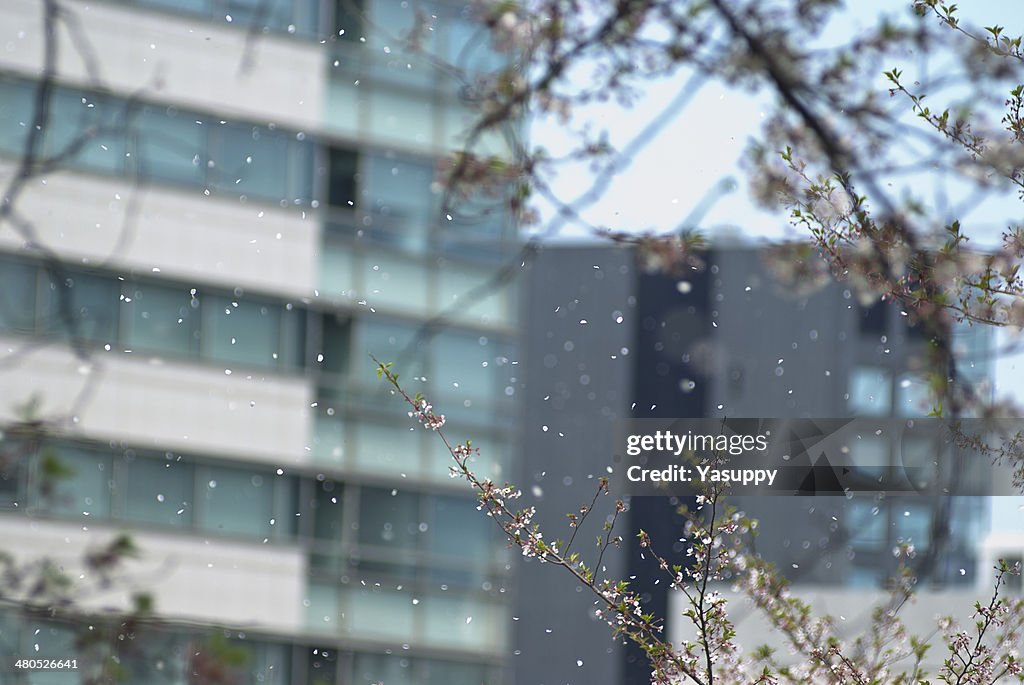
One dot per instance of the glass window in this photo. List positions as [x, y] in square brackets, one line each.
[165, 143]
[478, 225]
[467, 42]
[348, 20]
[327, 512]
[91, 125]
[372, 669]
[17, 108]
[388, 518]
[306, 17]
[395, 23]
[866, 521]
[974, 345]
[382, 613]
[77, 479]
[291, 16]
[286, 506]
[293, 337]
[244, 331]
[17, 296]
[268, 663]
[390, 21]
[322, 666]
[226, 658]
[392, 342]
[236, 501]
[913, 397]
[11, 458]
[860, 577]
[398, 193]
[460, 531]
[329, 431]
[446, 624]
[164, 320]
[54, 641]
[336, 345]
[273, 14]
[919, 458]
[300, 171]
[341, 178]
[157, 491]
[457, 285]
[396, 280]
[969, 518]
[197, 6]
[382, 448]
[10, 627]
[155, 658]
[84, 307]
[912, 523]
[870, 455]
[322, 610]
[872, 319]
[454, 673]
[464, 365]
[170, 145]
[870, 391]
[250, 160]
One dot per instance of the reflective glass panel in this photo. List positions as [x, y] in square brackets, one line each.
[156, 491]
[164, 320]
[243, 331]
[237, 502]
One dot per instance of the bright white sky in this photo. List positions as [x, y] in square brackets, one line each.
[702, 146]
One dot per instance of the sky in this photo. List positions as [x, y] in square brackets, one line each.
[702, 146]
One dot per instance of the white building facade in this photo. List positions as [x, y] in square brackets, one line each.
[250, 213]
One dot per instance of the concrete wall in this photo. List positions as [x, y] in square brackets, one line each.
[174, 232]
[222, 582]
[578, 383]
[159, 403]
[188, 62]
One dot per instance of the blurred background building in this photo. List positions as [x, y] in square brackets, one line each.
[613, 341]
[243, 210]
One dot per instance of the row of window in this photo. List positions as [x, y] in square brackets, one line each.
[371, 531]
[225, 328]
[877, 525]
[70, 480]
[456, 34]
[354, 21]
[456, 37]
[873, 391]
[394, 201]
[383, 197]
[165, 656]
[112, 135]
[441, 616]
[299, 17]
[150, 317]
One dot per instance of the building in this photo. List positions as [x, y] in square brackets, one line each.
[609, 340]
[243, 212]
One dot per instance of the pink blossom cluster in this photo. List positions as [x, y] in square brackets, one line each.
[424, 413]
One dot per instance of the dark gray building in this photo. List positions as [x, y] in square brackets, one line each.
[605, 341]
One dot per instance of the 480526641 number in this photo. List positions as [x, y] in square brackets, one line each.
[37, 664]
